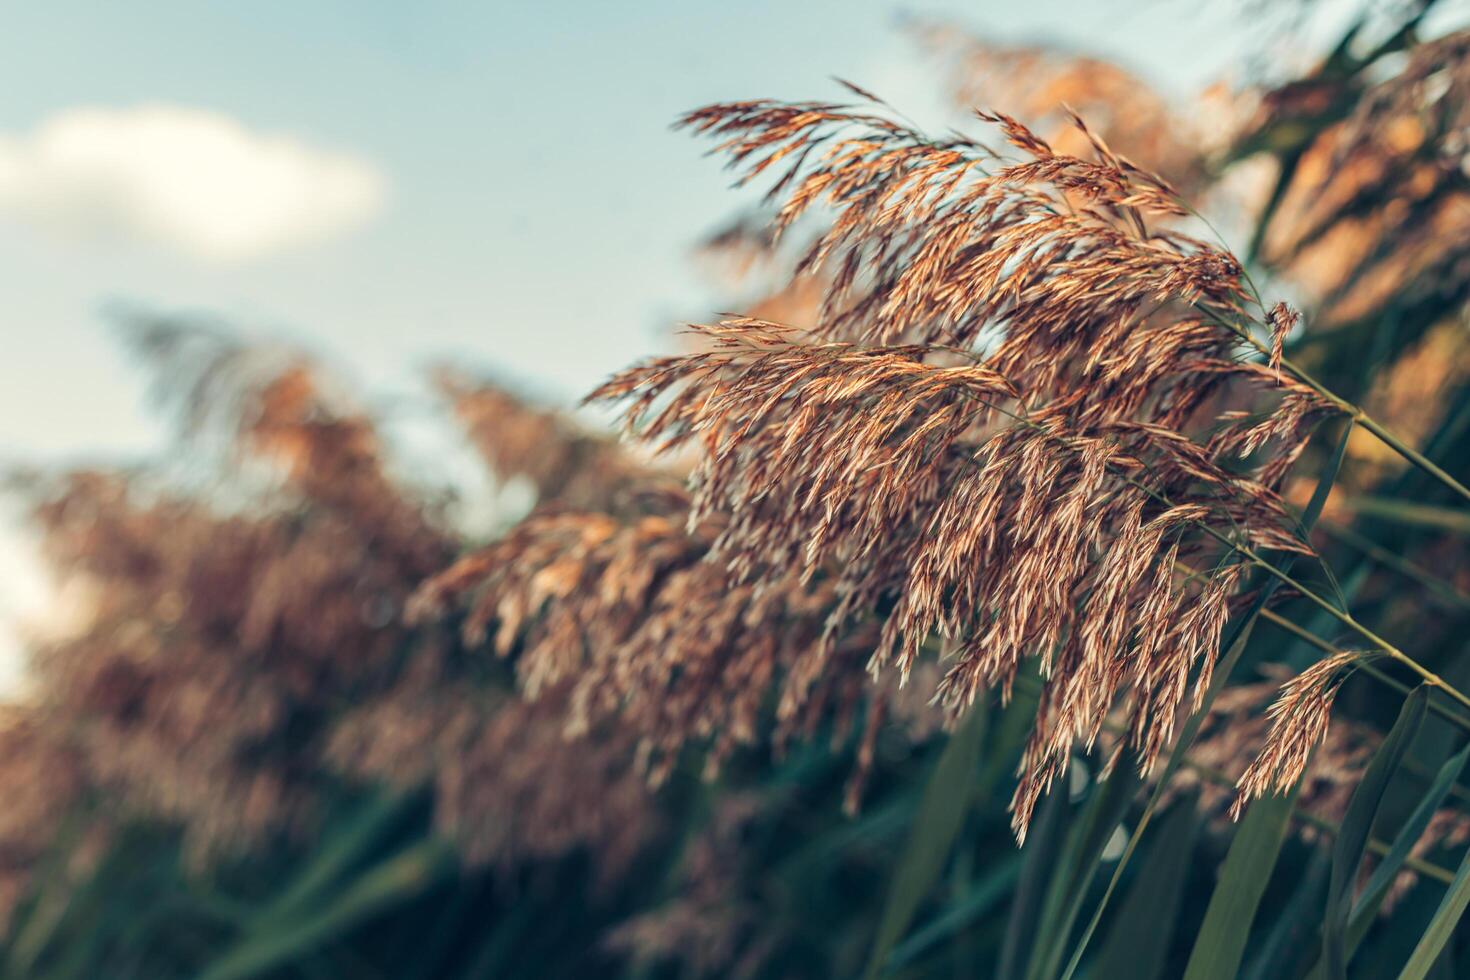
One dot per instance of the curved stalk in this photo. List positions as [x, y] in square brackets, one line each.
[1356, 413]
[1366, 421]
[1346, 618]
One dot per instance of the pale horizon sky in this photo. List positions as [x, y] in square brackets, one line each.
[392, 184]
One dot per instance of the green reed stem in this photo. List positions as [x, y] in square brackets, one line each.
[1445, 591]
[1346, 618]
[1358, 415]
[1390, 440]
[1342, 616]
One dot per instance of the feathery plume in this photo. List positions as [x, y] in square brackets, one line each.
[985, 437]
[1299, 719]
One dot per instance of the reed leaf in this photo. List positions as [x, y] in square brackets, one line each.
[1370, 898]
[1244, 875]
[1357, 827]
[407, 873]
[1410, 514]
[1137, 946]
[1099, 819]
[936, 824]
[992, 888]
[1437, 935]
[1040, 856]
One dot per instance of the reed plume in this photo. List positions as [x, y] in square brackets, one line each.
[1038, 83]
[236, 660]
[1014, 422]
[565, 464]
[986, 436]
[1299, 718]
[646, 632]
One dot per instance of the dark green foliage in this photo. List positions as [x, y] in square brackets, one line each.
[1243, 878]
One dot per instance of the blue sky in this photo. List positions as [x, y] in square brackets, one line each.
[538, 210]
[532, 213]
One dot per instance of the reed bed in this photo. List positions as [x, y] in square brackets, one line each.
[1029, 583]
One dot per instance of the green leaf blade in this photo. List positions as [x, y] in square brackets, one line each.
[1220, 945]
[1441, 927]
[1138, 943]
[940, 816]
[1357, 826]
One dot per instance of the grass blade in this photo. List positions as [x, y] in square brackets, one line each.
[1296, 927]
[1357, 825]
[1441, 927]
[1102, 816]
[1138, 944]
[994, 888]
[1371, 898]
[1326, 479]
[1039, 859]
[1243, 878]
[351, 846]
[940, 816]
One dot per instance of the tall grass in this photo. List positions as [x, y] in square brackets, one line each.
[1034, 585]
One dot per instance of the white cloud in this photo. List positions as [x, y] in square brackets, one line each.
[195, 180]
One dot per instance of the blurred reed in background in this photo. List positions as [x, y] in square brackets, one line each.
[1019, 507]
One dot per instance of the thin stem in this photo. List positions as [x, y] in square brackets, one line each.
[1389, 559]
[1359, 417]
[1346, 618]
[1307, 636]
[1357, 414]
[1448, 714]
[1392, 441]
[1379, 847]
[1342, 616]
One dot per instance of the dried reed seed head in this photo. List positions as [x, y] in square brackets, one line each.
[1299, 720]
[45, 778]
[205, 687]
[653, 637]
[712, 925]
[509, 786]
[937, 243]
[1282, 319]
[1037, 83]
[998, 549]
[276, 405]
[1025, 495]
[208, 636]
[566, 465]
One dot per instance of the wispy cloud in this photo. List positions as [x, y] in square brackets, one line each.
[195, 180]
